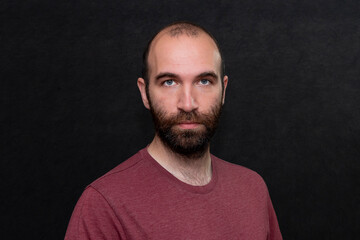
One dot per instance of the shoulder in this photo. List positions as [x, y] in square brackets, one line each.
[239, 175]
[232, 168]
[123, 176]
[125, 167]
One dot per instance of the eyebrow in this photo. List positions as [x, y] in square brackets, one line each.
[208, 74]
[173, 75]
[166, 74]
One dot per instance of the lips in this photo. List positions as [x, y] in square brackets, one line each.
[188, 125]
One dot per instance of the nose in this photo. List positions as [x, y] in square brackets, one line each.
[187, 99]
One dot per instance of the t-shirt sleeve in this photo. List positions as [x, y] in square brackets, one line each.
[93, 218]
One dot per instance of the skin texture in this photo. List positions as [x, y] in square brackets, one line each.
[184, 76]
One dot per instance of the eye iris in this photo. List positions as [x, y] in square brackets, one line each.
[204, 81]
[169, 82]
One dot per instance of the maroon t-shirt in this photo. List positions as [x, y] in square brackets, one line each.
[139, 199]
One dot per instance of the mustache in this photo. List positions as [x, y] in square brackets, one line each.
[182, 116]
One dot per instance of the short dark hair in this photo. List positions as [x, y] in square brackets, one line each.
[177, 29]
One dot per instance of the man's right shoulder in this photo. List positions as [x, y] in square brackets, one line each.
[125, 174]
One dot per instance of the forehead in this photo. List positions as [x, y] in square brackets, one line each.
[183, 54]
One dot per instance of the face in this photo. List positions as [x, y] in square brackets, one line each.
[185, 92]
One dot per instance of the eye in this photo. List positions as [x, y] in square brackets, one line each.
[204, 82]
[169, 82]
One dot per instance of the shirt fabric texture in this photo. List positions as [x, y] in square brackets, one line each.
[139, 199]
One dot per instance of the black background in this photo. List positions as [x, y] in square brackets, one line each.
[71, 109]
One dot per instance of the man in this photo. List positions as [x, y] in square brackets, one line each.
[174, 188]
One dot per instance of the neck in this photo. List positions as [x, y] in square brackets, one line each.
[194, 171]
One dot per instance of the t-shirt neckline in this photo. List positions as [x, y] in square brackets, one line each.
[185, 186]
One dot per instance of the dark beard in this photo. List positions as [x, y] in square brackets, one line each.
[189, 143]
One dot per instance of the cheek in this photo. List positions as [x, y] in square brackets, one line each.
[162, 101]
[207, 103]
[209, 98]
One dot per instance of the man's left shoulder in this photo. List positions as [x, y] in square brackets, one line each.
[237, 173]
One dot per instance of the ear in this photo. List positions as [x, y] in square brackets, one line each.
[226, 79]
[142, 88]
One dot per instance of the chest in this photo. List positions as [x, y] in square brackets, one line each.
[163, 215]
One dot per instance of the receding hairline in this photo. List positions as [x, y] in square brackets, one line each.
[180, 29]
[176, 30]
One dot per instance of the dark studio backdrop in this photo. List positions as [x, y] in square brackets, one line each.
[71, 110]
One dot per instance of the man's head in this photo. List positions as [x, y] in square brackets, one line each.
[184, 87]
